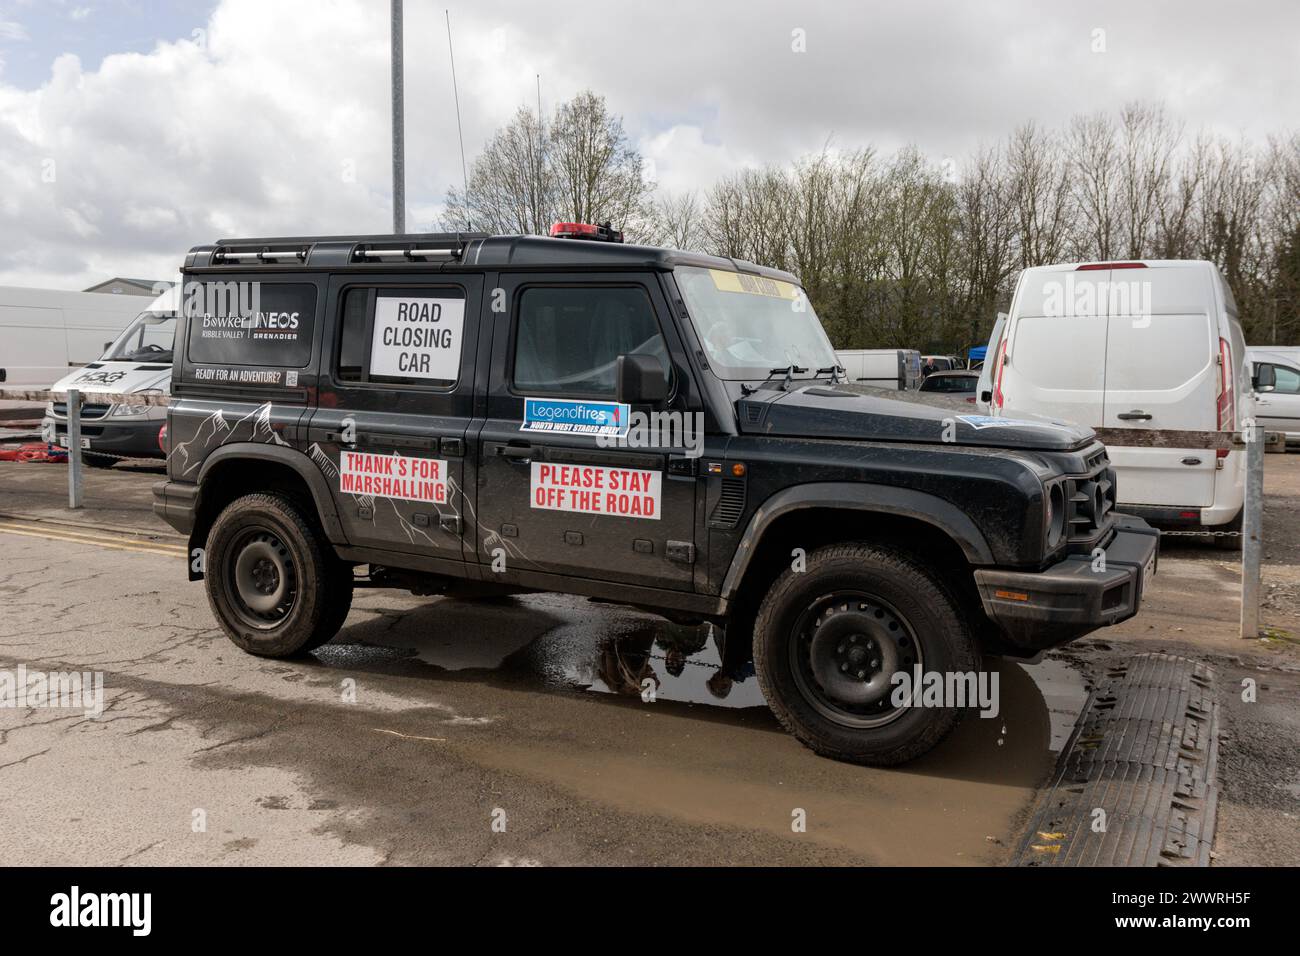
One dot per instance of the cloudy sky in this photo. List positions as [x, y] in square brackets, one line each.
[131, 130]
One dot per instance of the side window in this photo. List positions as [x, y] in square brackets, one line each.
[401, 336]
[250, 323]
[568, 339]
[1288, 380]
[352, 335]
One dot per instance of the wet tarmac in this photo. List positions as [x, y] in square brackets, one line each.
[722, 758]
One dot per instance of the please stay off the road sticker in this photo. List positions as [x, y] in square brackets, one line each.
[595, 490]
[393, 476]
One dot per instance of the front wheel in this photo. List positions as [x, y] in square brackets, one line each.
[828, 641]
[272, 581]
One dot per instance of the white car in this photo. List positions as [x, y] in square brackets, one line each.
[1152, 344]
[138, 362]
[1277, 408]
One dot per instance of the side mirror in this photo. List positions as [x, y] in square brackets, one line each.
[1264, 379]
[640, 380]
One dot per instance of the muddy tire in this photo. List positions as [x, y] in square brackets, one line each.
[339, 604]
[273, 582]
[828, 639]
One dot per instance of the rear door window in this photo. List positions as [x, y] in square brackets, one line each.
[402, 336]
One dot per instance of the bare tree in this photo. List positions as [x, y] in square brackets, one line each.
[580, 169]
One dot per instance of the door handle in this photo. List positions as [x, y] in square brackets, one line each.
[1137, 415]
[519, 453]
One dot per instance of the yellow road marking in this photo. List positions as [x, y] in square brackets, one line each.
[76, 537]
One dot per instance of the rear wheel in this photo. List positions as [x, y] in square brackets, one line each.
[828, 641]
[272, 581]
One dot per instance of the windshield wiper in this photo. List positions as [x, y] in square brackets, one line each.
[789, 371]
[839, 375]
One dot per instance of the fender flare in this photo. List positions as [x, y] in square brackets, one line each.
[295, 460]
[857, 496]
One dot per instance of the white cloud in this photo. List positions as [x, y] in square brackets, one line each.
[278, 121]
[11, 30]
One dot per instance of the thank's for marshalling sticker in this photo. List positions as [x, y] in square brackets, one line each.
[596, 490]
[575, 417]
[393, 476]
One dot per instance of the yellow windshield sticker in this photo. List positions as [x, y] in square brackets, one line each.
[726, 281]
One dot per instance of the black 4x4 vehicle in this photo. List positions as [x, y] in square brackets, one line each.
[464, 413]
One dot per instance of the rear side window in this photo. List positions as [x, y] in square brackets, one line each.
[568, 339]
[250, 323]
[401, 336]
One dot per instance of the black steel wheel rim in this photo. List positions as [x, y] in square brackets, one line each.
[261, 578]
[844, 649]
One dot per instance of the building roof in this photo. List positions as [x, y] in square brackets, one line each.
[129, 286]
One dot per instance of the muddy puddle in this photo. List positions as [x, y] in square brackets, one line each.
[566, 642]
[686, 734]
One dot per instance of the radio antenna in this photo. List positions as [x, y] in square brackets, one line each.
[455, 92]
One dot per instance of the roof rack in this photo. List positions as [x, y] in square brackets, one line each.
[226, 253]
[415, 247]
[443, 246]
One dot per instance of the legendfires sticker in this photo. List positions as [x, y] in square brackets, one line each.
[572, 417]
[393, 476]
[596, 490]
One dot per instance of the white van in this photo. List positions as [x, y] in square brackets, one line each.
[1277, 406]
[138, 361]
[1143, 345]
[984, 388]
[44, 332]
[894, 369]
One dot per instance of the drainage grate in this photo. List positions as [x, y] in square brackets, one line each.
[1135, 785]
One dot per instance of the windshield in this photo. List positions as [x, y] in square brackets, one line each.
[751, 325]
[148, 339]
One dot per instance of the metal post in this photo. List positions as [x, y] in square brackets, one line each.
[74, 448]
[1252, 531]
[399, 172]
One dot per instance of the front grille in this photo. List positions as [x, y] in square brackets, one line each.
[87, 431]
[88, 412]
[1090, 501]
[731, 504]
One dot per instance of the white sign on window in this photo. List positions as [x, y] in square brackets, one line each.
[417, 337]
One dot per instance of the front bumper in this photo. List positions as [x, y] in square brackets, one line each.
[1037, 610]
[131, 438]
